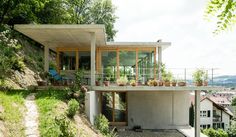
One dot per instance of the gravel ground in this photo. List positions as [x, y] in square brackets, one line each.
[151, 133]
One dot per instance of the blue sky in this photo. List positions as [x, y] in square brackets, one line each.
[182, 23]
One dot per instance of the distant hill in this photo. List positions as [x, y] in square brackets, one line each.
[225, 80]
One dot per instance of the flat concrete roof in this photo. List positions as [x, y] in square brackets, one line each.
[65, 35]
[152, 88]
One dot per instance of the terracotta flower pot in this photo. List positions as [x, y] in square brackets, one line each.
[98, 83]
[173, 84]
[160, 83]
[121, 84]
[181, 84]
[205, 83]
[106, 83]
[133, 84]
[198, 84]
[155, 83]
[167, 83]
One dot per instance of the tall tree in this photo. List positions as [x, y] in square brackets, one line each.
[224, 11]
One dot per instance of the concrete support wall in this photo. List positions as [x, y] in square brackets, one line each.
[158, 110]
[91, 105]
[46, 58]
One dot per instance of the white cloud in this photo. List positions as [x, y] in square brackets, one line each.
[180, 22]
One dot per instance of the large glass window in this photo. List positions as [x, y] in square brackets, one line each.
[84, 60]
[67, 60]
[108, 68]
[145, 65]
[127, 64]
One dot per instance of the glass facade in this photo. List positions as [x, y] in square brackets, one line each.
[67, 60]
[108, 65]
[127, 64]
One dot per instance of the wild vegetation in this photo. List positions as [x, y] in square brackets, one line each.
[12, 113]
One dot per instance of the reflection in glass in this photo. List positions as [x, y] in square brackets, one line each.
[145, 65]
[127, 64]
[108, 67]
[67, 60]
[84, 60]
[107, 105]
[120, 107]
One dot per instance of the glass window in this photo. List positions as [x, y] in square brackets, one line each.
[67, 60]
[108, 66]
[84, 60]
[127, 64]
[145, 65]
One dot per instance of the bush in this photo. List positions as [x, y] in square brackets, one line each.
[66, 127]
[215, 133]
[101, 123]
[73, 106]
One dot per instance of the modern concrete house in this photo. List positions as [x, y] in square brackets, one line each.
[85, 46]
[213, 115]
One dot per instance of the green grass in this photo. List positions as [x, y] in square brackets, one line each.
[50, 104]
[14, 109]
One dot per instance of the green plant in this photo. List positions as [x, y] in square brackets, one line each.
[122, 80]
[65, 125]
[167, 76]
[132, 82]
[198, 76]
[102, 124]
[215, 133]
[73, 106]
[79, 77]
[107, 78]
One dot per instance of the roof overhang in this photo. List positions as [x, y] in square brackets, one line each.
[58, 35]
[63, 35]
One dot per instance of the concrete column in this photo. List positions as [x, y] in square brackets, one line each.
[197, 113]
[159, 62]
[46, 58]
[92, 55]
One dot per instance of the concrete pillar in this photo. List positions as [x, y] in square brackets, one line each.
[46, 58]
[92, 55]
[159, 62]
[197, 113]
[91, 105]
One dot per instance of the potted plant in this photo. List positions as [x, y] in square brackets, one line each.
[106, 81]
[155, 83]
[150, 83]
[205, 82]
[173, 82]
[167, 78]
[160, 83]
[181, 83]
[98, 81]
[122, 81]
[133, 83]
[198, 77]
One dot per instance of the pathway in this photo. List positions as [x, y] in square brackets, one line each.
[31, 117]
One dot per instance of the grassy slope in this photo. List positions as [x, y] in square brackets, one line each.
[14, 109]
[50, 104]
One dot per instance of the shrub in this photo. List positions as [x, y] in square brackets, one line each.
[215, 133]
[101, 123]
[66, 126]
[73, 106]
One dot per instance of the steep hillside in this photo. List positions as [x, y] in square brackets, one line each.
[26, 63]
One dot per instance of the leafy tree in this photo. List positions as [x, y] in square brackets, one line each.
[224, 11]
[59, 12]
[233, 102]
[232, 129]
[215, 133]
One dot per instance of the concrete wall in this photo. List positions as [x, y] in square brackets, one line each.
[158, 110]
[91, 105]
[205, 106]
[226, 119]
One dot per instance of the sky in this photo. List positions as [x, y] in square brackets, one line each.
[181, 22]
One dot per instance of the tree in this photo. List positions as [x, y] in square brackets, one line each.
[59, 12]
[233, 102]
[224, 11]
